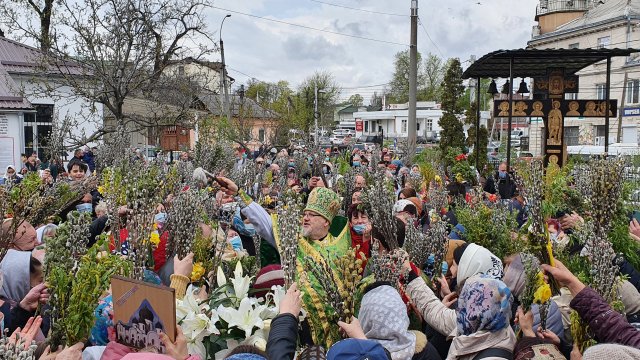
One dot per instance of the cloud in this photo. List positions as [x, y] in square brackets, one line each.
[273, 51]
[302, 48]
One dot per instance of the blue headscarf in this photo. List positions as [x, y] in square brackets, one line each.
[484, 304]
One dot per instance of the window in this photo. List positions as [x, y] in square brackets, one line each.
[571, 96]
[601, 93]
[366, 126]
[604, 42]
[574, 46]
[633, 86]
[429, 126]
[417, 125]
[600, 130]
[403, 129]
[571, 135]
[181, 70]
[261, 135]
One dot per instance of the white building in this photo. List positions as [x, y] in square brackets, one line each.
[393, 121]
[594, 24]
[26, 113]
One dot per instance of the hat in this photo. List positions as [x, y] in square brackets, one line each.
[400, 205]
[357, 349]
[323, 201]
[268, 276]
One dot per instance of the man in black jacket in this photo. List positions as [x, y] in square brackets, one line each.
[502, 182]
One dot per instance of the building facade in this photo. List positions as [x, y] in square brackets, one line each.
[393, 121]
[31, 99]
[594, 24]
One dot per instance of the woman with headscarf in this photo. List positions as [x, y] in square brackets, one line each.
[482, 321]
[25, 237]
[383, 318]
[468, 260]
[10, 176]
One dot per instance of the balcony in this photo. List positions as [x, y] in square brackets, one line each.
[552, 6]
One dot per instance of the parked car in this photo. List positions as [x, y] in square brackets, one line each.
[337, 139]
[432, 137]
[369, 139]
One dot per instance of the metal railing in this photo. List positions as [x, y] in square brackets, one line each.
[550, 6]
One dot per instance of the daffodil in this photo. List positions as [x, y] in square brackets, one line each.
[197, 272]
[101, 189]
[240, 283]
[154, 238]
[246, 317]
[542, 294]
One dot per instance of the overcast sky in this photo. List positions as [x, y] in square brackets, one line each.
[271, 51]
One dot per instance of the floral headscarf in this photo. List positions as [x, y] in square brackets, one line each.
[484, 304]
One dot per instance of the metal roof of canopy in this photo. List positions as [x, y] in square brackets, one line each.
[535, 62]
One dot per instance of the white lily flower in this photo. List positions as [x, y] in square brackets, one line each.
[220, 278]
[231, 344]
[196, 347]
[246, 317]
[258, 339]
[190, 304]
[240, 283]
[199, 325]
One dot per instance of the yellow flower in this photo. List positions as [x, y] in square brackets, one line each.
[155, 238]
[542, 294]
[101, 189]
[197, 272]
[550, 251]
[459, 178]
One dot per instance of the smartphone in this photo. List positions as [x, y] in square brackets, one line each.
[636, 215]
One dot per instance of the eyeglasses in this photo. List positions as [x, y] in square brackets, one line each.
[309, 214]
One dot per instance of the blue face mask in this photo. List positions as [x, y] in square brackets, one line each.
[160, 217]
[292, 164]
[356, 163]
[236, 243]
[85, 207]
[325, 171]
[359, 229]
[242, 228]
[244, 156]
[502, 174]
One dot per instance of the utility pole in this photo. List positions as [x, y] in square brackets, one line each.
[622, 104]
[227, 108]
[315, 114]
[413, 81]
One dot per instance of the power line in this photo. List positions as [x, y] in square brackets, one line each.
[364, 87]
[356, 9]
[429, 36]
[311, 28]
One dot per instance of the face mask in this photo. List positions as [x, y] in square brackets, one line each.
[160, 217]
[359, 229]
[242, 228]
[236, 243]
[502, 174]
[244, 156]
[554, 236]
[356, 163]
[292, 164]
[325, 171]
[86, 207]
[327, 159]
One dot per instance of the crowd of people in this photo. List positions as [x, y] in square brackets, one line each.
[469, 307]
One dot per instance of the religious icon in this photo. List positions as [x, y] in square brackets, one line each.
[504, 108]
[556, 85]
[537, 109]
[573, 109]
[519, 109]
[553, 159]
[555, 124]
[602, 109]
[590, 109]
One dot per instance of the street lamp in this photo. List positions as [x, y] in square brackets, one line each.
[315, 111]
[227, 108]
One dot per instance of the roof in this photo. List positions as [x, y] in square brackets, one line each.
[349, 109]
[535, 62]
[19, 58]
[251, 109]
[610, 10]
[9, 97]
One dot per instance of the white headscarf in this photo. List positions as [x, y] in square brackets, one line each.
[384, 319]
[478, 260]
[40, 231]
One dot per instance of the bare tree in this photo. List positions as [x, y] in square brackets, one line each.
[18, 15]
[111, 51]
